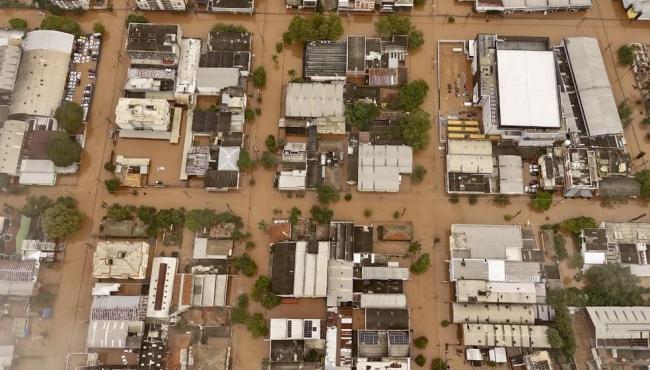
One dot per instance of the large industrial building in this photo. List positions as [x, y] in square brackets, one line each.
[161, 4]
[532, 94]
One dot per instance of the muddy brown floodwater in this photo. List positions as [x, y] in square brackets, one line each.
[425, 204]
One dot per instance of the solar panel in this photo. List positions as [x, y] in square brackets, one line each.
[369, 337]
[289, 324]
[398, 338]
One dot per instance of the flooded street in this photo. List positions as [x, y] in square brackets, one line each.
[425, 204]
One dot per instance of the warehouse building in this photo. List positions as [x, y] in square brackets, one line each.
[41, 79]
[621, 328]
[150, 44]
[313, 100]
[381, 167]
[120, 260]
[530, 6]
[161, 4]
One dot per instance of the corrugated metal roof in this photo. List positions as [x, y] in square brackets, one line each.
[314, 100]
[384, 273]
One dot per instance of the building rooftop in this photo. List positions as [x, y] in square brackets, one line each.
[42, 75]
[387, 319]
[594, 239]
[384, 273]
[374, 300]
[294, 329]
[511, 174]
[339, 282]
[219, 180]
[495, 270]
[205, 248]
[313, 100]
[120, 260]
[122, 229]
[229, 41]
[12, 136]
[380, 167]
[283, 262]
[619, 187]
[493, 313]
[479, 291]
[395, 231]
[150, 114]
[503, 335]
[620, 323]
[211, 122]
[325, 60]
[117, 308]
[152, 37]
[502, 242]
[528, 88]
[228, 157]
[627, 232]
[596, 97]
[161, 284]
[114, 334]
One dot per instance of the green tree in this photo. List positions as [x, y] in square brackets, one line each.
[613, 285]
[67, 201]
[315, 27]
[360, 114]
[239, 313]
[421, 342]
[167, 217]
[112, 185]
[321, 215]
[259, 77]
[625, 112]
[554, 338]
[438, 364]
[418, 174]
[389, 26]
[420, 360]
[502, 200]
[643, 178]
[146, 214]
[109, 166]
[328, 194]
[60, 220]
[414, 248]
[61, 23]
[415, 129]
[421, 265]
[36, 205]
[222, 27]
[257, 326]
[62, 150]
[576, 224]
[367, 213]
[18, 23]
[559, 244]
[245, 161]
[249, 115]
[98, 27]
[279, 47]
[268, 160]
[542, 201]
[347, 197]
[262, 293]
[135, 18]
[117, 212]
[294, 215]
[69, 115]
[198, 219]
[412, 95]
[245, 264]
[626, 55]
[271, 144]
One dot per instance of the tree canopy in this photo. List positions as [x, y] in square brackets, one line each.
[360, 114]
[60, 23]
[576, 224]
[69, 115]
[197, 219]
[262, 293]
[391, 25]
[222, 27]
[99, 27]
[259, 77]
[245, 161]
[118, 212]
[626, 55]
[268, 160]
[613, 285]
[321, 215]
[62, 150]
[541, 201]
[257, 326]
[18, 23]
[643, 178]
[418, 173]
[412, 95]
[61, 220]
[415, 129]
[112, 185]
[328, 194]
[36, 205]
[135, 18]
[422, 264]
[315, 27]
[245, 264]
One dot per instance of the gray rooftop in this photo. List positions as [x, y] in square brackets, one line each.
[486, 241]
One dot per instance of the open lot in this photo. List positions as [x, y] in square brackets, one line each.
[426, 204]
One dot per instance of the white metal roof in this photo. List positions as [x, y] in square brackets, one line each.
[292, 180]
[188, 66]
[383, 301]
[161, 311]
[493, 335]
[294, 329]
[493, 313]
[314, 100]
[478, 164]
[48, 40]
[228, 157]
[469, 147]
[528, 94]
[380, 166]
[310, 273]
[12, 135]
[495, 292]
[384, 273]
[213, 80]
[339, 282]
[37, 172]
[486, 241]
[511, 174]
[620, 322]
[598, 104]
